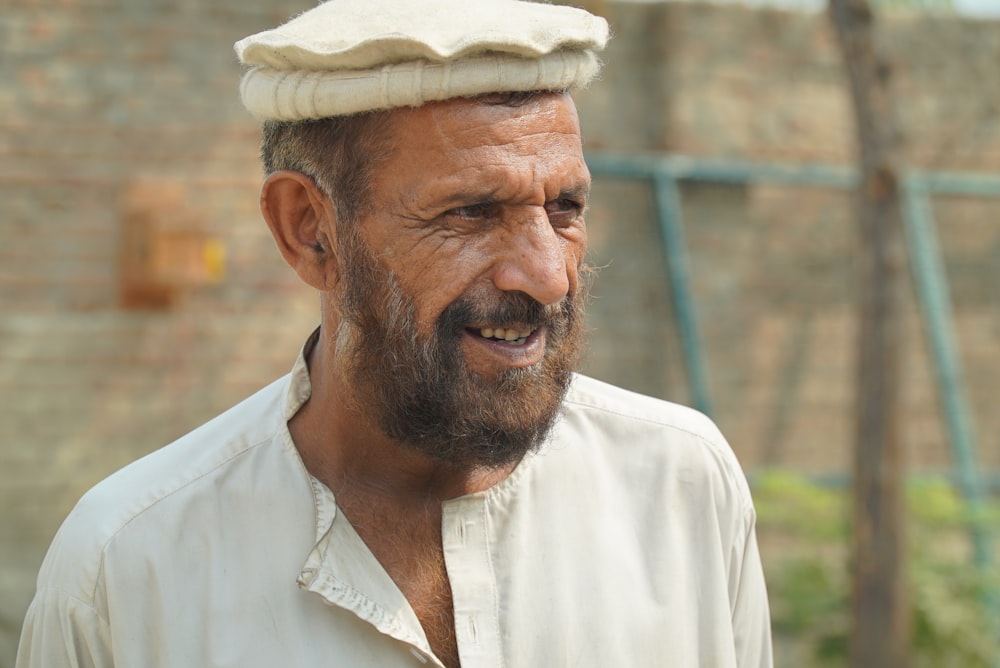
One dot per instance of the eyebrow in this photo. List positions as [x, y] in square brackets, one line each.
[470, 198]
[580, 191]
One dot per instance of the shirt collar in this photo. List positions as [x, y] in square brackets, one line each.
[299, 387]
[340, 568]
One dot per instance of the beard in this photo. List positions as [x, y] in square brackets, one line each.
[420, 391]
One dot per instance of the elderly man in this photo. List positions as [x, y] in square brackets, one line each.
[431, 484]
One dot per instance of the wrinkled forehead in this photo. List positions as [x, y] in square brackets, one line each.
[487, 121]
[467, 150]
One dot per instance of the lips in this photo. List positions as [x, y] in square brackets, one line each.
[515, 336]
[505, 347]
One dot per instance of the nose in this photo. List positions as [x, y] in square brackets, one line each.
[533, 261]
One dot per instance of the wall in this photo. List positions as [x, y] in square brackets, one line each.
[774, 267]
[101, 98]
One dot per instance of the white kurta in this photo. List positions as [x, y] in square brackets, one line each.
[628, 540]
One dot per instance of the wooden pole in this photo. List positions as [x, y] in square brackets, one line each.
[880, 606]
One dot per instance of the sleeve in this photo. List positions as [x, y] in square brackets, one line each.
[61, 631]
[751, 613]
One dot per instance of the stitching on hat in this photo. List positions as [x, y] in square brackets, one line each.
[564, 67]
[384, 85]
[314, 81]
[277, 93]
[297, 87]
[498, 71]
[564, 78]
[445, 80]
[418, 83]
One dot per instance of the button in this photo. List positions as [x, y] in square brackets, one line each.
[473, 630]
[307, 577]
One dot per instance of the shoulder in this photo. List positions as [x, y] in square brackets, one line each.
[179, 480]
[624, 406]
[653, 444]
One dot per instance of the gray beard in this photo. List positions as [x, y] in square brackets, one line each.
[421, 393]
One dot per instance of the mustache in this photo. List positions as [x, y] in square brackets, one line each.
[504, 310]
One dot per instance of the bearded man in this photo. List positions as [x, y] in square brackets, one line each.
[431, 484]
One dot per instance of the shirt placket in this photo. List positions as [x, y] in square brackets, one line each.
[473, 585]
[365, 591]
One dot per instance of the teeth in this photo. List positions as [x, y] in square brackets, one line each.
[502, 334]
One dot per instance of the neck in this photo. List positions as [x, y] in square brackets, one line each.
[343, 447]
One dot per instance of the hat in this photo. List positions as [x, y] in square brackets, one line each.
[349, 56]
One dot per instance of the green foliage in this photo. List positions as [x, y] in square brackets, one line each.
[805, 536]
[952, 626]
[789, 502]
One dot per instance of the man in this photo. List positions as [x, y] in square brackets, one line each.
[431, 484]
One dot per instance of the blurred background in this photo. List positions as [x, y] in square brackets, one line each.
[141, 294]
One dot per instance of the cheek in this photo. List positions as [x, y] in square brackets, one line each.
[436, 287]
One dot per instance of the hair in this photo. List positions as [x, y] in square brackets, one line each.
[341, 153]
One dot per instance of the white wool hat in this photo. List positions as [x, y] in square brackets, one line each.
[348, 56]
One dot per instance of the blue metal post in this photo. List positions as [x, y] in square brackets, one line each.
[929, 276]
[668, 208]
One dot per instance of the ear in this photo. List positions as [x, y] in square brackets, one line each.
[303, 222]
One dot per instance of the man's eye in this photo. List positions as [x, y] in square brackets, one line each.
[474, 211]
[563, 208]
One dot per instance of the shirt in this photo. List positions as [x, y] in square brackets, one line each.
[626, 540]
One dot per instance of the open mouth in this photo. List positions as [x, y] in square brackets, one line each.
[512, 336]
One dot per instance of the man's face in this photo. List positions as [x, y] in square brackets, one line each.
[462, 295]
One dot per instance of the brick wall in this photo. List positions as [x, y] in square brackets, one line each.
[773, 267]
[99, 96]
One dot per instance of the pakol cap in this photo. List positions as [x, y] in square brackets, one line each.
[349, 56]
